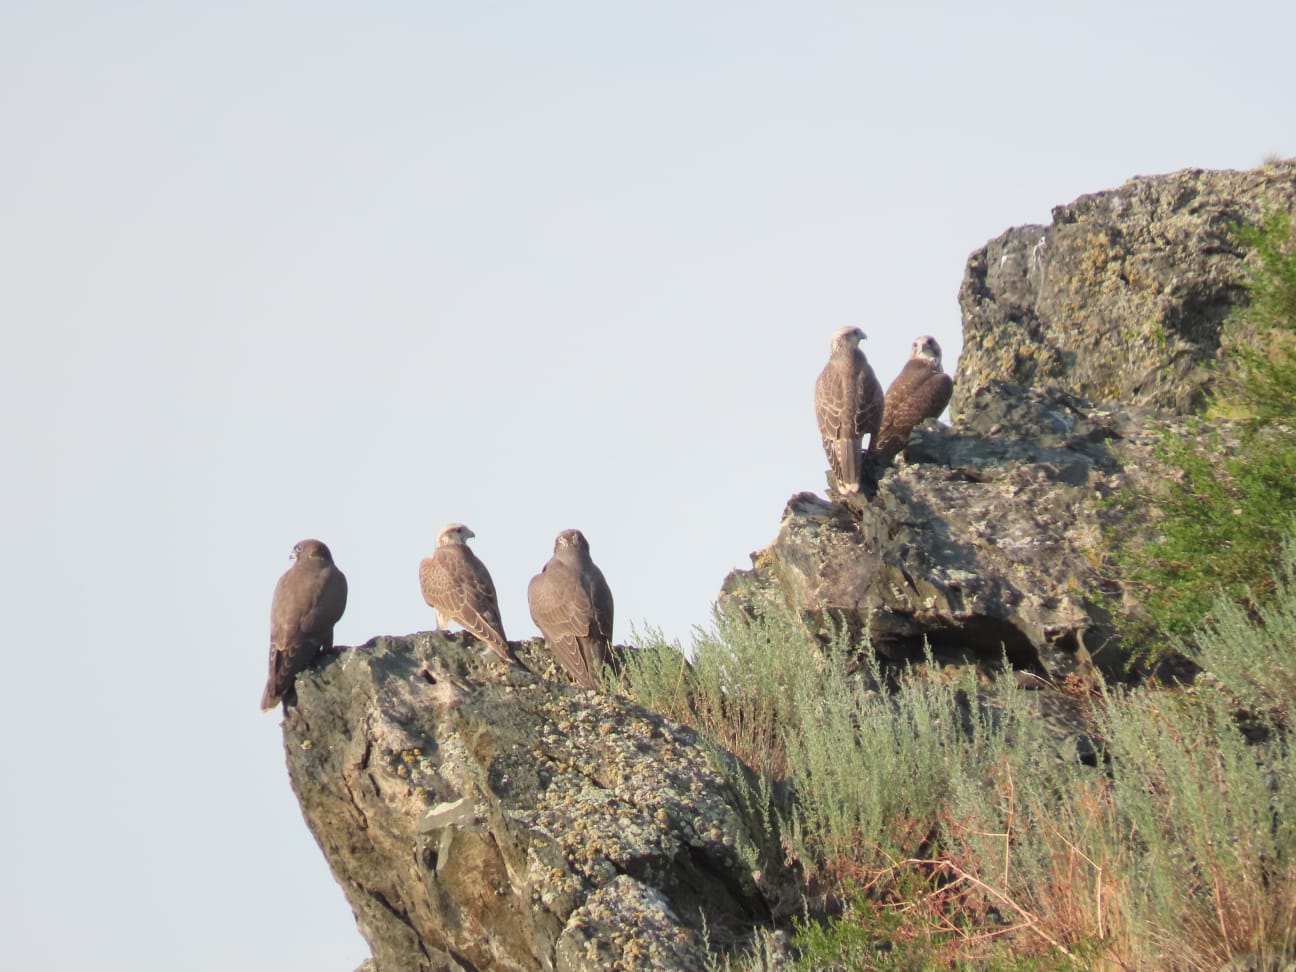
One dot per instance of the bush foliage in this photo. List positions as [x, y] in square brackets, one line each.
[938, 821]
[942, 824]
[1215, 523]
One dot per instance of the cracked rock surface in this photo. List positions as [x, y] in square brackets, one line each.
[981, 545]
[480, 818]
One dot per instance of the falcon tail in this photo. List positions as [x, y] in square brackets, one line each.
[268, 698]
[847, 453]
[505, 651]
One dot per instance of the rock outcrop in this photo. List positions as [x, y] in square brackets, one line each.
[1080, 340]
[983, 545]
[484, 818]
[1121, 297]
[478, 818]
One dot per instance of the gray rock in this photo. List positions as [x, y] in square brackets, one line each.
[1121, 297]
[481, 818]
[628, 925]
[981, 545]
[478, 818]
[1082, 341]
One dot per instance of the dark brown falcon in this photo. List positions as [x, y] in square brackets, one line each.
[572, 605]
[459, 587]
[308, 601]
[921, 391]
[848, 405]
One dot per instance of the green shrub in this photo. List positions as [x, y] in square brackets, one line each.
[940, 824]
[1260, 337]
[1215, 522]
[955, 830]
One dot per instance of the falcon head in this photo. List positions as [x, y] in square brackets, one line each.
[571, 540]
[926, 347]
[311, 550]
[454, 533]
[846, 337]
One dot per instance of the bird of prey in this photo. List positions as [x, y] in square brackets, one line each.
[920, 391]
[572, 606]
[848, 405]
[308, 601]
[459, 587]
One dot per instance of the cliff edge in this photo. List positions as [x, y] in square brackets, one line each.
[1084, 341]
[478, 818]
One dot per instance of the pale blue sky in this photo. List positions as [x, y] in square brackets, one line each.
[271, 271]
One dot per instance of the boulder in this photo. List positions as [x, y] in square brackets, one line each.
[1121, 297]
[478, 817]
[1083, 340]
[980, 547]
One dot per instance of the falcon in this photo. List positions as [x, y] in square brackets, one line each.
[308, 601]
[848, 405]
[920, 391]
[459, 587]
[572, 606]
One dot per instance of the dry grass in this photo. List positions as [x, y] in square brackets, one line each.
[943, 820]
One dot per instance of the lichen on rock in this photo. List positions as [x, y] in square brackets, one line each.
[483, 818]
[1081, 339]
[477, 817]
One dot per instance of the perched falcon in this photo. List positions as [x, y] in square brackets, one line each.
[848, 404]
[572, 605]
[308, 600]
[460, 588]
[920, 391]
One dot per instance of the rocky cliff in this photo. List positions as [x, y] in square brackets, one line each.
[1121, 297]
[1082, 341]
[483, 819]
[478, 818]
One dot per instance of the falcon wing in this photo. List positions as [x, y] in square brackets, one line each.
[458, 585]
[917, 393]
[868, 398]
[833, 408]
[601, 598]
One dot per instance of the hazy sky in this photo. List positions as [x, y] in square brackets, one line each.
[271, 271]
